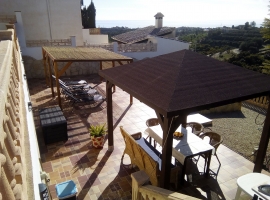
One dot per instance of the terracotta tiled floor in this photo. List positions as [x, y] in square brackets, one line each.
[98, 173]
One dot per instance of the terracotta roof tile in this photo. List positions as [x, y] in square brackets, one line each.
[141, 34]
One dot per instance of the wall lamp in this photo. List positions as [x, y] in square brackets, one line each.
[30, 107]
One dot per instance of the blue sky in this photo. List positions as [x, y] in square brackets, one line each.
[204, 13]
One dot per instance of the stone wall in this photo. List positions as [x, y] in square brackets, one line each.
[35, 69]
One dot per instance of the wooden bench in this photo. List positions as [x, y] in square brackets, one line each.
[146, 157]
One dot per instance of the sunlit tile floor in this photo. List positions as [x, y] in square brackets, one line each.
[98, 173]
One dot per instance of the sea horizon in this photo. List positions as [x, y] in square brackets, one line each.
[144, 23]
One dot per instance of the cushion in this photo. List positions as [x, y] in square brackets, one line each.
[66, 189]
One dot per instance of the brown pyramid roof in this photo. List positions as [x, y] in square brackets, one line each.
[187, 81]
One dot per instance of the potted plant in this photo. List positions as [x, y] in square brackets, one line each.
[97, 134]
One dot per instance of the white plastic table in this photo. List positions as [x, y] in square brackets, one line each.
[247, 182]
[188, 146]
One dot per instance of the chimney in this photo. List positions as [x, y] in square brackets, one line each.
[159, 20]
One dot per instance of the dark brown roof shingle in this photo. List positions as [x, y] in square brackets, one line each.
[187, 81]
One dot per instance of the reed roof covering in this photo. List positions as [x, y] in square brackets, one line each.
[185, 81]
[83, 54]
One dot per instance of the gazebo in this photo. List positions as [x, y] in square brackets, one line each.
[54, 55]
[182, 82]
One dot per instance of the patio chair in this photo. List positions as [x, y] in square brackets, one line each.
[76, 91]
[196, 127]
[152, 122]
[214, 140]
[69, 83]
[84, 99]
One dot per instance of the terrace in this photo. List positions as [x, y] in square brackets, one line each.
[98, 173]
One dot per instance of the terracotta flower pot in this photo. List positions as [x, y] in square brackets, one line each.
[98, 142]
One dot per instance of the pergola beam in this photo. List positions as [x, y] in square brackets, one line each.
[62, 71]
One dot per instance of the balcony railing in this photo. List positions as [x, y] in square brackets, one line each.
[103, 46]
[261, 102]
[142, 47]
[141, 190]
[40, 43]
[8, 19]
[94, 31]
[15, 159]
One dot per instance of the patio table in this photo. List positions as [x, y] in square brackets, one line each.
[188, 146]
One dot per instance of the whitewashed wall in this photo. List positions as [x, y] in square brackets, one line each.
[164, 46]
[94, 39]
[47, 19]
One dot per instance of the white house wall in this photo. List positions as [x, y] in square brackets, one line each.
[94, 39]
[164, 46]
[47, 19]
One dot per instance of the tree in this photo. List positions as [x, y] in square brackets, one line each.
[253, 24]
[266, 35]
[246, 25]
[89, 16]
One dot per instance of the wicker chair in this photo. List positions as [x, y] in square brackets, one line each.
[196, 127]
[215, 140]
[152, 122]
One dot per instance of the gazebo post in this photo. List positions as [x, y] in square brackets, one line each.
[57, 83]
[100, 68]
[263, 143]
[113, 65]
[109, 86]
[169, 125]
[166, 154]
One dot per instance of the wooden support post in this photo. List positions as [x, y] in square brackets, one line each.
[57, 84]
[100, 68]
[130, 99]
[44, 58]
[113, 65]
[109, 115]
[50, 75]
[263, 143]
[166, 154]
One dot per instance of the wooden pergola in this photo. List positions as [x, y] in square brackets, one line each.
[179, 83]
[54, 55]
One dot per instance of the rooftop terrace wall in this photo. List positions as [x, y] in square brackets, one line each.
[19, 158]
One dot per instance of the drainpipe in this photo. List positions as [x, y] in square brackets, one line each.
[49, 17]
